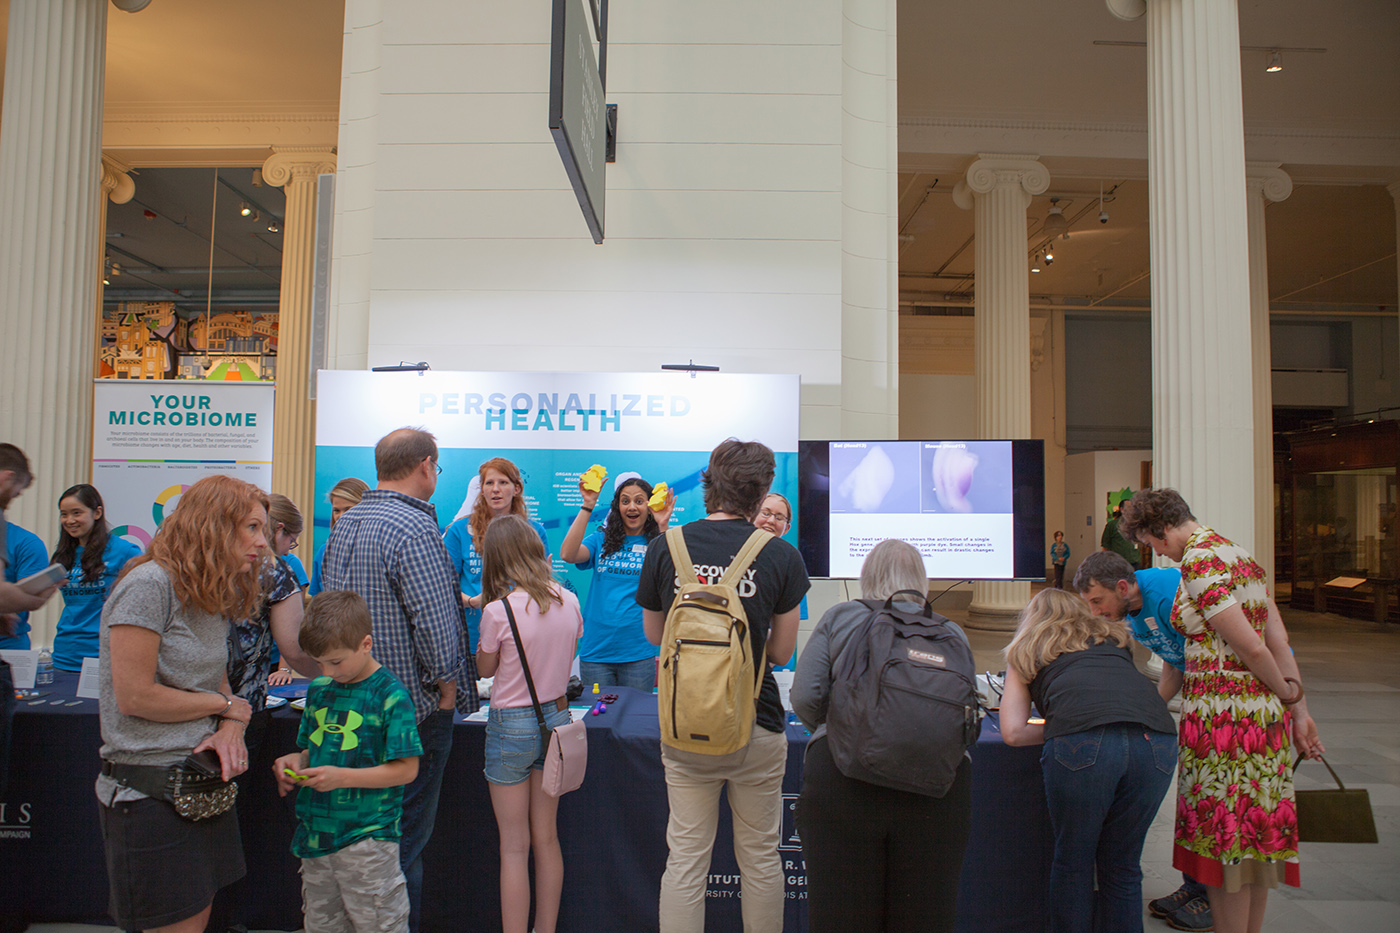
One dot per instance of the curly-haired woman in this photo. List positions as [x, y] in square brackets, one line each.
[164, 695]
[1236, 826]
[615, 649]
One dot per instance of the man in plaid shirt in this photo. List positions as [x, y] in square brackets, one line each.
[389, 550]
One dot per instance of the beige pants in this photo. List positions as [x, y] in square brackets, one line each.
[754, 779]
[357, 889]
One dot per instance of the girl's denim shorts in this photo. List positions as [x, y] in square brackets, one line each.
[513, 743]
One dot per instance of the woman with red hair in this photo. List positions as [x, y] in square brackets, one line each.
[164, 696]
[502, 493]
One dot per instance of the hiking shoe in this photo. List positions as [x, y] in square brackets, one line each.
[1193, 915]
[1164, 906]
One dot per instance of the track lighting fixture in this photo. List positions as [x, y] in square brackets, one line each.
[257, 216]
[1049, 255]
[244, 209]
[1275, 62]
[1035, 263]
[272, 227]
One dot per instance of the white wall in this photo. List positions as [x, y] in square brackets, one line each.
[936, 406]
[1089, 478]
[460, 242]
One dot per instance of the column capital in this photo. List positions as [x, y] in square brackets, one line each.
[293, 163]
[1268, 178]
[992, 170]
[1128, 10]
[117, 183]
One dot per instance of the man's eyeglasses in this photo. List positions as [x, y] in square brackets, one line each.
[773, 516]
[438, 466]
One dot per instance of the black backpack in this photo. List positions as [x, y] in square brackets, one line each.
[904, 703]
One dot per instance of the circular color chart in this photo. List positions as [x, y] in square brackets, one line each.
[158, 508]
[132, 531]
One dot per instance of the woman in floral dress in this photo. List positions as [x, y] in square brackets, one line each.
[1236, 826]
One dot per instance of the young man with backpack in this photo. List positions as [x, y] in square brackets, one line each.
[702, 675]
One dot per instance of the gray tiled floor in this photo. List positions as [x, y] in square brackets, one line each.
[1352, 672]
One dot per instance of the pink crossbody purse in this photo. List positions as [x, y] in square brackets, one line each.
[566, 746]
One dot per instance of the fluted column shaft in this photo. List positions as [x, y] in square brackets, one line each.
[1263, 182]
[999, 189]
[869, 228]
[50, 208]
[294, 414]
[1202, 409]
[1394, 189]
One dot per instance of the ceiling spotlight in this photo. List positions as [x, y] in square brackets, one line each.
[272, 227]
[257, 216]
[1049, 255]
[244, 209]
[1275, 62]
[1035, 263]
[106, 281]
[1055, 222]
[116, 268]
[257, 178]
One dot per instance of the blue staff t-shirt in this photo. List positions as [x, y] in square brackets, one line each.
[298, 570]
[612, 620]
[458, 539]
[1152, 624]
[25, 555]
[76, 636]
[316, 562]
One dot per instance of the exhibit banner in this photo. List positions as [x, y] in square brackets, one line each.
[554, 426]
[151, 439]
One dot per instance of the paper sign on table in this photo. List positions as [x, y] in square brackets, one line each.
[24, 664]
[87, 680]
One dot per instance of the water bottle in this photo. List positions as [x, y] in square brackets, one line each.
[45, 673]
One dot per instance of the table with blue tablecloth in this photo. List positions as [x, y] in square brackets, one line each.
[612, 830]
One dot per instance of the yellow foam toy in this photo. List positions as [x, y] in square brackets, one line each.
[658, 497]
[594, 477]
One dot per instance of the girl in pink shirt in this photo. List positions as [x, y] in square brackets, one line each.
[515, 568]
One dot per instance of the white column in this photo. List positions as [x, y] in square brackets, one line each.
[294, 414]
[999, 188]
[869, 228]
[50, 207]
[1202, 408]
[1264, 181]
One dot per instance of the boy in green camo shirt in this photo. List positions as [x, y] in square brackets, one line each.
[360, 746]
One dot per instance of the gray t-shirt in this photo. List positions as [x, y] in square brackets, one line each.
[193, 655]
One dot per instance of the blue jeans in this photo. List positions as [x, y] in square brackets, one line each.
[1103, 787]
[638, 674]
[420, 803]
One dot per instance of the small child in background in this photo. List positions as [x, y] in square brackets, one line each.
[360, 746]
[1059, 556]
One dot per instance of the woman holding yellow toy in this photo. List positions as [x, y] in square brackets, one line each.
[614, 649]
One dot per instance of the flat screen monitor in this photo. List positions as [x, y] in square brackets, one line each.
[974, 509]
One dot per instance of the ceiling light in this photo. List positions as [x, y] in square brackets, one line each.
[1275, 62]
[257, 216]
[106, 281]
[116, 268]
[1049, 255]
[1055, 222]
[244, 209]
[1035, 263]
[272, 227]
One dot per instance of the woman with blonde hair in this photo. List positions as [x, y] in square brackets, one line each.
[879, 860]
[343, 496]
[164, 695]
[1110, 749]
[502, 493]
[517, 584]
[1242, 715]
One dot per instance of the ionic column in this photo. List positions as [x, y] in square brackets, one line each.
[869, 227]
[1202, 407]
[118, 187]
[50, 213]
[1264, 182]
[999, 188]
[294, 414]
